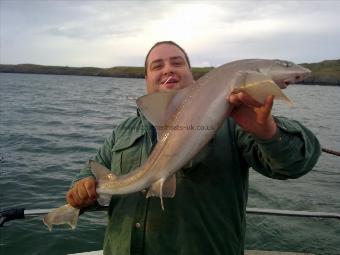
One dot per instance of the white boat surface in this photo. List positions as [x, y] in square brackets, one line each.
[247, 252]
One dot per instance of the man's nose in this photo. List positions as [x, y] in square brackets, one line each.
[168, 69]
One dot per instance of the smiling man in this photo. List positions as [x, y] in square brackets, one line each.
[208, 213]
[167, 67]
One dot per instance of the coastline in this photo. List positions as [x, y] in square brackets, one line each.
[323, 73]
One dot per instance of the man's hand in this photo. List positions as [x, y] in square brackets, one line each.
[254, 117]
[83, 193]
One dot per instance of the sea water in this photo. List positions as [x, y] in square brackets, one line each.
[51, 125]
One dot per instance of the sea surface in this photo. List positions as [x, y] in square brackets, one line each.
[51, 125]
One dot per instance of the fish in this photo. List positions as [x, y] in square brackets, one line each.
[176, 115]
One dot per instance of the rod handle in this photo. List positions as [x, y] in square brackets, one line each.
[11, 214]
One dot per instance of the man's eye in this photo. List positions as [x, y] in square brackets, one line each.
[155, 67]
[178, 63]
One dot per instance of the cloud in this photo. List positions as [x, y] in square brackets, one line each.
[300, 31]
[108, 33]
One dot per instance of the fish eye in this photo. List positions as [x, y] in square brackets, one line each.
[284, 63]
[289, 64]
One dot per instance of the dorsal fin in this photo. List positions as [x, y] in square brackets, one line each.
[160, 106]
[155, 105]
[100, 172]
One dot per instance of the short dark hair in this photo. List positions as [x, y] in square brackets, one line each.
[164, 42]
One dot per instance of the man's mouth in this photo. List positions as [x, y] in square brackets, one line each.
[168, 81]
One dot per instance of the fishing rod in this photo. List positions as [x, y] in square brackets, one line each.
[22, 213]
[293, 213]
[333, 152]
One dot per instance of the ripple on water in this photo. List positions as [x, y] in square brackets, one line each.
[61, 121]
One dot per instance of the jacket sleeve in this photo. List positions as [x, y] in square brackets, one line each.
[103, 156]
[291, 153]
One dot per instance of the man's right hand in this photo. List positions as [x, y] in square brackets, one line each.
[83, 193]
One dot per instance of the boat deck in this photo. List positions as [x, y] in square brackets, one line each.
[253, 252]
[248, 252]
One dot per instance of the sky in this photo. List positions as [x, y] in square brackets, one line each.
[119, 33]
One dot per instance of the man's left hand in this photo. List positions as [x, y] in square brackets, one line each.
[254, 117]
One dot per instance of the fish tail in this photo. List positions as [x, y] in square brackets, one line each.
[63, 215]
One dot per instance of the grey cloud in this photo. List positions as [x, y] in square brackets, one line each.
[287, 45]
[81, 19]
[306, 30]
[252, 10]
[91, 33]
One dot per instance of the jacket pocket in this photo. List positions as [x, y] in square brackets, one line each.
[127, 153]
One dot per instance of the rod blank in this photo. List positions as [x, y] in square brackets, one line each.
[21, 213]
[293, 213]
[336, 153]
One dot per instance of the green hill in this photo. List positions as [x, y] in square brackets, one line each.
[324, 73]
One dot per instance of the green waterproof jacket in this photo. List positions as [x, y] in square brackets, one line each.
[207, 215]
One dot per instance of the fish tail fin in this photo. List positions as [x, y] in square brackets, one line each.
[63, 215]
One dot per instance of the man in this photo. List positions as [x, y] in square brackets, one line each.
[207, 215]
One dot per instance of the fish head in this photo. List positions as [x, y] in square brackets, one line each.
[284, 73]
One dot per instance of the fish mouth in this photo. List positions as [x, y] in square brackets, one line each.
[294, 80]
[298, 77]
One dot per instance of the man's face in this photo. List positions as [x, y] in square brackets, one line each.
[165, 61]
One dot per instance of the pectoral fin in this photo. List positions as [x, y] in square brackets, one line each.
[63, 215]
[163, 188]
[260, 91]
[260, 86]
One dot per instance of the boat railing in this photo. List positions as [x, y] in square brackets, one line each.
[22, 213]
